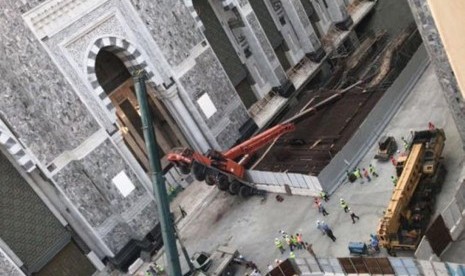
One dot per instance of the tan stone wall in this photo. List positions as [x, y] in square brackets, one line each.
[449, 16]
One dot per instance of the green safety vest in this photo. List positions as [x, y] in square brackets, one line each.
[294, 240]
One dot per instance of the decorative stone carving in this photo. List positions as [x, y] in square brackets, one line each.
[55, 15]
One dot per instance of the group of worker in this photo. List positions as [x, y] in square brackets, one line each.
[155, 270]
[293, 241]
[362, 174]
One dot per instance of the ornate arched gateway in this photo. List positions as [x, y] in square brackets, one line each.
[111, 62]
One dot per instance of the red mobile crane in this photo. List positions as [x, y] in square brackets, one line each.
[226, 169]
[220, 168]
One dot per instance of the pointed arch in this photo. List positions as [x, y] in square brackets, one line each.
[16, 150]
[124, 50]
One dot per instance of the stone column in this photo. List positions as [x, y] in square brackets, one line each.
[304, 30]
[184, 119]
[339, 15]
[255, 51]
[437, 53]
[325, 19]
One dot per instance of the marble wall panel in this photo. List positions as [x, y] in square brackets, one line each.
[172, 27]
[118, 237]
[7, 267]
[37, 102]
[139, 224]
[301, 13]
[236, 120]
[88, 183]
[79, 188]
[255, 25]
[207, 76]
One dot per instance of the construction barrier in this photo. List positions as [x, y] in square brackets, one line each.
[288, 183]
[454, 213]
[371, 129]
[454, 222]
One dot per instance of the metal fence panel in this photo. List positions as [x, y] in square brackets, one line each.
[299, 184]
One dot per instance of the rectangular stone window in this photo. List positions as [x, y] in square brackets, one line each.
[123, 183]
[206, 105]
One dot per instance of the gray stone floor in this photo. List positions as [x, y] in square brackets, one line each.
[251, 225]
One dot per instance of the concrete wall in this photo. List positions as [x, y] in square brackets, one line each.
[435, 46]
[454, 219]
[454, 213]
[425, 252]
[368, 133]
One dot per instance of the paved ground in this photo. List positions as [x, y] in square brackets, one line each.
[251, 225]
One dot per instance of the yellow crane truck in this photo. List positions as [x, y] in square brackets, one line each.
[421, 174]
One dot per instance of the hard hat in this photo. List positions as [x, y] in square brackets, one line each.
[341, 199]
[276, 239]
[318, 222]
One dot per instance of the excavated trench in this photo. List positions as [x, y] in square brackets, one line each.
[318, 138]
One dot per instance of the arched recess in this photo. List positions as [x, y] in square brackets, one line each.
[16, 150]
[111, 62]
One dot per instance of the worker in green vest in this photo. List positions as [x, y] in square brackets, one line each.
[279, 244]
[372, 170]
[324, 196]
[344, 205]
[292, 255]
[394, 180]
[294, 242]
[159, 268]
[358, 174]
[406, 143]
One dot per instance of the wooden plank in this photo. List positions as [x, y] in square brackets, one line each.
[131, 129]
[138, 153]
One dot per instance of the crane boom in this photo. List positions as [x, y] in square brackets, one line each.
[259, 141]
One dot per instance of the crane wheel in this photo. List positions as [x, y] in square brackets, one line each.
[234, 187]
[199, 171]
[210, 177]
[222, 182]
[245, 191]
[184, 169]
